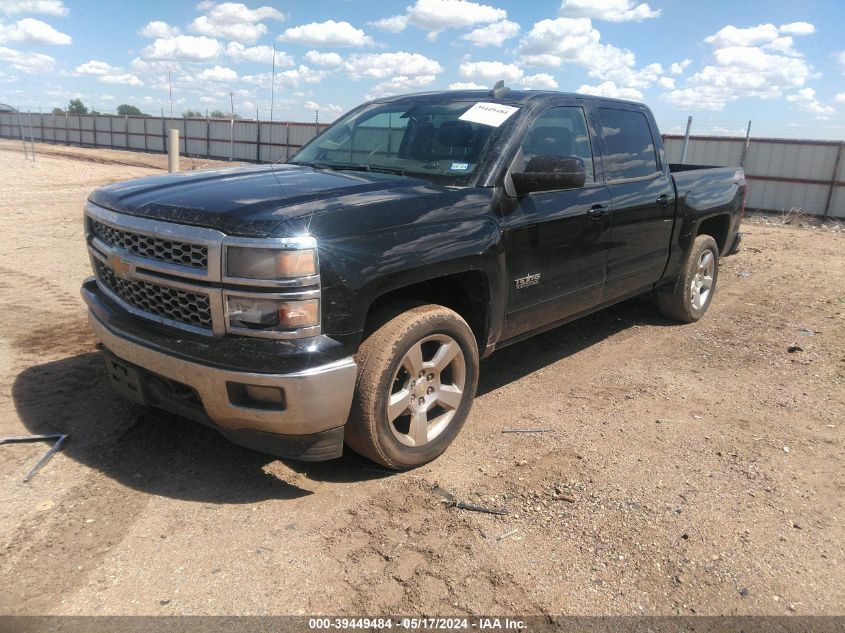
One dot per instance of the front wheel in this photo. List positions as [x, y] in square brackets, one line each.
[417, 375]
[689, 299]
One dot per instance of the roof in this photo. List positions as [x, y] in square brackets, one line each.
[521, 97]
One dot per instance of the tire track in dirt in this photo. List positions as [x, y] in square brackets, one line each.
[67, 542]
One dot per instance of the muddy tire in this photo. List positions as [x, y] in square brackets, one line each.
[417, 375]
[691, 295]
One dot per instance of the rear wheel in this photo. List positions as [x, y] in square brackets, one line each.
[691, 295]
[417, 375]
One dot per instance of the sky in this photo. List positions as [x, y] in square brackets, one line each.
[780, 64]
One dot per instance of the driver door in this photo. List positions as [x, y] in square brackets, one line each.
[557, 241]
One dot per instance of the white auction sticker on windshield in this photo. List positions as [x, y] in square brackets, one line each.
[493, 114]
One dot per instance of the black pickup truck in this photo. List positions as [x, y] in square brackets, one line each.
[346, 296]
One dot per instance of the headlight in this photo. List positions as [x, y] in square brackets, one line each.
[257, 313]
[270, 263]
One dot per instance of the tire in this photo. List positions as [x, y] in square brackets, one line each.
[389, 385]
[687, 300]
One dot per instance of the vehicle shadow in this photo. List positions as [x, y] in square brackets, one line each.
[162, 454]
[521, 359]
[151, 450]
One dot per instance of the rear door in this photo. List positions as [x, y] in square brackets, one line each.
[642, 196]
[557, 241]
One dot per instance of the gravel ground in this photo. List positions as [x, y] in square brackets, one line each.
[691, 469]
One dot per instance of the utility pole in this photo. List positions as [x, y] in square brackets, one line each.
[272, 84]
[170, 90]
[232, 103]
[232, 127]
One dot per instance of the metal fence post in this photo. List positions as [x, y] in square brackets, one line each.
[833, 176]
[31, 136]
[23, 140]
[67, 134]
[231, 137]
[686, 140]
[745, 146]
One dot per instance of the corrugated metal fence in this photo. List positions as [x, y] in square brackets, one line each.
[782, 174]
[241, 140]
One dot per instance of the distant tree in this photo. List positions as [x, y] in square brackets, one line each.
[219, 114]
[75, 106]
[125, 109]
[58, 111]
[192, 114]
[94, 112]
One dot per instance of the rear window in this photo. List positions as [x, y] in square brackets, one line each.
[629, 147]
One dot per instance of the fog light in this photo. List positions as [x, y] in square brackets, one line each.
[264, 394]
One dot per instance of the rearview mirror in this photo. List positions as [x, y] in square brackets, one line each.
[550, 173]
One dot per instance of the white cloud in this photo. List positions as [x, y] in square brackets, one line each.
[667, 83]
[609, 10]
[611, 90]
[45, 7]
[751, 36]
[797, 28]
[323, 59]
[157, 29]
[127, 79]
[490, 72]
[840, 56]
[29, 30]
[234, 21]
[27, 62]
[437, 15]
[540, 81]
[754, 62]
[806, 100]
[493, 34]
[840, 98]
[678, 68]
[182, 48]
[292, 78]
[259, 54]
[393, 24]
[400, 84]
[95, 67]
[383, 65]
[330, 108]
[467, 85]
[328, 33]
[218, 73]
[571, 40]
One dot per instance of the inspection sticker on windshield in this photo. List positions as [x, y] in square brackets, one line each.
[459, 167]
[493, 114]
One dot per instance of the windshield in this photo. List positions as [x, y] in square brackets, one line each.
[420, 139]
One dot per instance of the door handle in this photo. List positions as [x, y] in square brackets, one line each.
[663, 200]
[598, 211]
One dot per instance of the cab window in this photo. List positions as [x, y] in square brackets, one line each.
[628, 143]
[561, 133]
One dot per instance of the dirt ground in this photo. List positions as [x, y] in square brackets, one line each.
[689, 468]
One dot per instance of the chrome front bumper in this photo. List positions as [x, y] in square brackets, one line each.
[315, 401]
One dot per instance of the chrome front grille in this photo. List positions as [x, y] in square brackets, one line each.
[163, 250]
[190, 308]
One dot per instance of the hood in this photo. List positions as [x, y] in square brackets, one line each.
[252, 201]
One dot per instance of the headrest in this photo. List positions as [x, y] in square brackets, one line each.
[455, 134]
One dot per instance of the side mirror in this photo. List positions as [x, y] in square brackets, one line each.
[550, 173]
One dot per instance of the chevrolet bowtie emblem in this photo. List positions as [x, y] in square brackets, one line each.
[120, 266]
